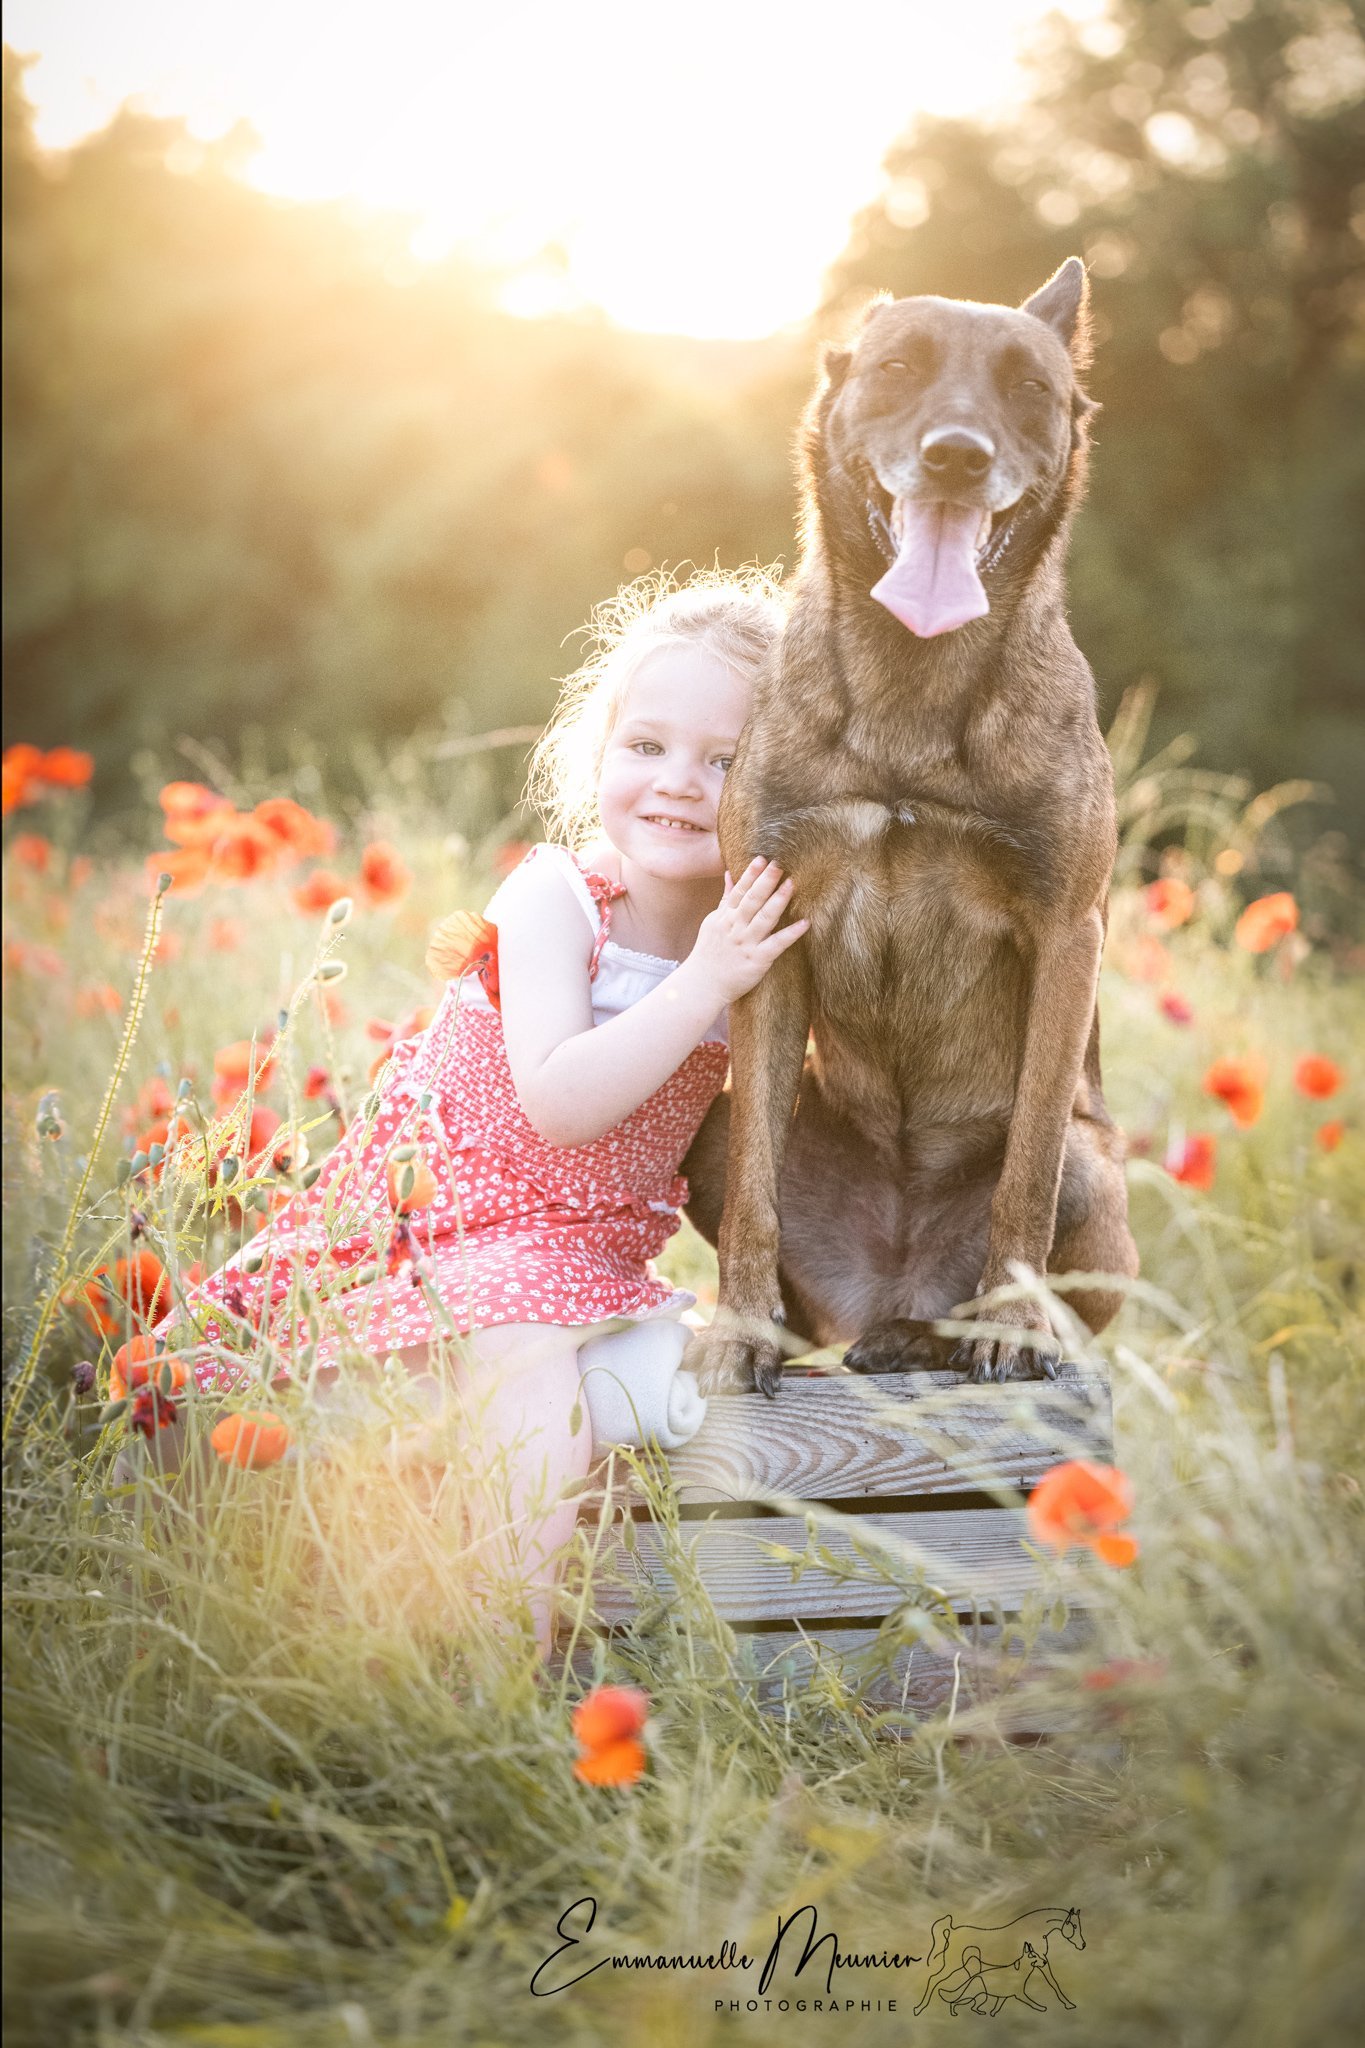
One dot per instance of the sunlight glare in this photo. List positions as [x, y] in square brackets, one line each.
[689, 173]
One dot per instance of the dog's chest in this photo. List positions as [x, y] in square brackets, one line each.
[903, 897]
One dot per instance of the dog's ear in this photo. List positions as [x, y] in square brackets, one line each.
[837, 361]
[1063, 304]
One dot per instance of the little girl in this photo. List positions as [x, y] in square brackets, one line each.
[563, 1078]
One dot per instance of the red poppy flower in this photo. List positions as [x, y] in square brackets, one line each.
[181, 801]
[466, 944]
[151, 1410]
[1266, 921]
[383, 875]
[188, 869]
[21, 780]
[317, 1083]
[1080, 1503]
[422, 1193]
[607, 1724]
[251, 1440]
[320, 890]
[299, 833]
[244, 850]
[153, 1099]
[97, 999]
[232, 1068]
[1240, 1083]
[31, 850]
[66, 768]
[609, 1713]
[1125, 1671]
[226, 934]
[139, 1284]
[1170, 902]
[264, 1124]
[1194, 1162]
[620, 1763]
[1330, 1135]
[140, 1363]
[194, 814]
[1317, 1076]
[1175, 1006]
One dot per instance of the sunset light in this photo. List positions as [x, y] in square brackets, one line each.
[693, 179]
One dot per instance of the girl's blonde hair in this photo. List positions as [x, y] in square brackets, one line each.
[736, 615]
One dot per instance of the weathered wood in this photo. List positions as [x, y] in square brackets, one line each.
[989, 1669]
[837, 1438]
[973, 1557]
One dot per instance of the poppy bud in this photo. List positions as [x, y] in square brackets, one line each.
[332, 970]
[402, 1153]
[253, 1262]
[184, 1091]
[228, 1168]
[156, 1155]
[163, 883]
[340, 912]
[311, 1176]
[138, 1164]
[122, 1172]
[83, 1376]
[112, 1410]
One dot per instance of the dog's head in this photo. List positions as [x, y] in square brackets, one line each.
[960, 425]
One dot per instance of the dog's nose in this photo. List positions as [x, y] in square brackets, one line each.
[956, 455]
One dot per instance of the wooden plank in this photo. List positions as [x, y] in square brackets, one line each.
[838, 1437]
[920, 1678]
[973, 1555]
[989, 1669]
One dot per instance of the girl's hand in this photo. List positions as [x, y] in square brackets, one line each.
[738, 942]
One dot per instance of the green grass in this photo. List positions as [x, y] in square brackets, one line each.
[271, 1780]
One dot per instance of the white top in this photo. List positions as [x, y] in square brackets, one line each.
[623, 976]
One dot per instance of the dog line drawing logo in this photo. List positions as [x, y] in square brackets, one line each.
[982, 1967]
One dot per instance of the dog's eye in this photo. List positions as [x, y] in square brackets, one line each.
[896, 365]
[1034, 386]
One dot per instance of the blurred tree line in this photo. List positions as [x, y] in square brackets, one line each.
[261, 469]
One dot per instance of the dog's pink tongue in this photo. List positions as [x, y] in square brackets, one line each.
[932, 586]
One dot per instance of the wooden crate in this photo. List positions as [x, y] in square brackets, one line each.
[916, 1468]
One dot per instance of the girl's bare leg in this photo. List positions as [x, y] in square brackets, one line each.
[518, 1387]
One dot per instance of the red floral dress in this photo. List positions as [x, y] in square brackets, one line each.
[519, 1231]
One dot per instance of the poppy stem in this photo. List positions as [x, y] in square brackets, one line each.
[24, 1377]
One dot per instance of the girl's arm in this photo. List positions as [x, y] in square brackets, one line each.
[575, 1081]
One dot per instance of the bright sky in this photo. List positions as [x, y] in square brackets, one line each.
[697, 164]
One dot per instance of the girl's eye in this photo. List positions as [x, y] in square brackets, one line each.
[724, 761]
[646, 747]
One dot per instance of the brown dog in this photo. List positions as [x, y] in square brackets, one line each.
[924, 759]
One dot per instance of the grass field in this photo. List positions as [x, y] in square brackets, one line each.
[269, 1779]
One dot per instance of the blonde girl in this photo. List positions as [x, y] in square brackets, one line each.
[580, 1041]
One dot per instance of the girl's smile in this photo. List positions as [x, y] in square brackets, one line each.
[663, 767]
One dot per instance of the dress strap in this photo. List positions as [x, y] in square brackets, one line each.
[595, 893]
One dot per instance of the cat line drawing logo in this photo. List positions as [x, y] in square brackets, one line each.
[981, 1968]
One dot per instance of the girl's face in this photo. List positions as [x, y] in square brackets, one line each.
[665, 760]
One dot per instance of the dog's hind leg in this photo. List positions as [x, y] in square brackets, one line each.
[1092, 1234]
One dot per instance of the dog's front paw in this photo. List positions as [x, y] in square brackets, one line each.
[1005, 1357]
[900, 1344]
[729, 1360]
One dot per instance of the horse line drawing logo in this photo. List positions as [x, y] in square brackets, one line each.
[983, 1967]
